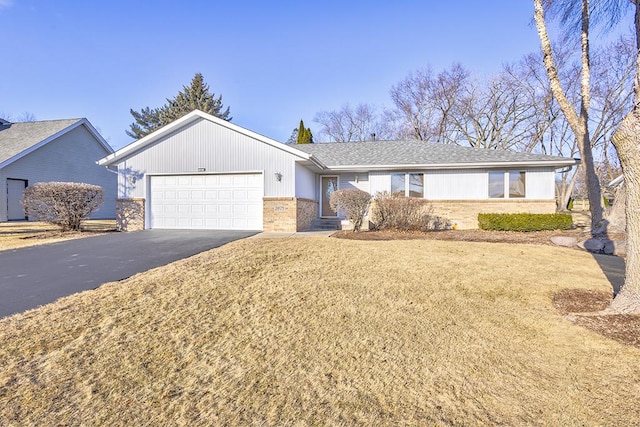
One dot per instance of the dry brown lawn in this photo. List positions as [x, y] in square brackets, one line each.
[15, 235]
[319, 331]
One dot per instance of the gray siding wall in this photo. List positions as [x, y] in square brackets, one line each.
[351, 180]
[203, 144]
[305, 183]
[72, 157]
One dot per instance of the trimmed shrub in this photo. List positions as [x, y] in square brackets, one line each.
[395, 212]
[353, 203]
[570, 204]
[64, 204]
[524, 222]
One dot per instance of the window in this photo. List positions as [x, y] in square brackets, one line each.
[515, 180]
[416, 185]
[516, 184]
[407, 184]
[496, 185]
[397, 184]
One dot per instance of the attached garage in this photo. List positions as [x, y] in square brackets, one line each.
[206, 201]
[202, 172]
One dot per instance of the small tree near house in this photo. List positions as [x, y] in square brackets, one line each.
[353, 202]
[64, 204]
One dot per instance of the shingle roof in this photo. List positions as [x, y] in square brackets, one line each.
[389, 153]
[17, 137]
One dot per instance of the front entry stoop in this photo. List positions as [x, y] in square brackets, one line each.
[326, 224]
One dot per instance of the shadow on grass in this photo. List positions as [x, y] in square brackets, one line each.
[613, 269]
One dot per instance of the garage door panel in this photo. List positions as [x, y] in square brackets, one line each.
[232, 202]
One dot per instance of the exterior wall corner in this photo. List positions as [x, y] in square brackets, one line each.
[288, 214]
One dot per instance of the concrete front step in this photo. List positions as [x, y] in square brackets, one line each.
[326, 224]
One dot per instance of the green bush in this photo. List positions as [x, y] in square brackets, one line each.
[524, 222]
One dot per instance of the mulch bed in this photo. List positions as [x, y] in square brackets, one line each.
[569, 302]
[623, 328]
[533, 237]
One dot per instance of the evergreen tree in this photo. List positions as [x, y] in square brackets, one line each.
[293, 139]
[304, 134]
[146, 121]
[192, 97]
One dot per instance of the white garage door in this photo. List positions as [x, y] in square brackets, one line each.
[223, 202]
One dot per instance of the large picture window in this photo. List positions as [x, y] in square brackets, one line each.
[407, 184]
[496, 185]
[514, 181]
[516, 184]
[416, 185]
[397, 184]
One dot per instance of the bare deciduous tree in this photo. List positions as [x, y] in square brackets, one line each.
[579, 122]
[424, 103]
[626, 137]
[24, 117]
[627, 143]
[362, 123]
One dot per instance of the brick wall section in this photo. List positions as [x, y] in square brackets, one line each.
[279, 214]
[464, 213]
[288, 214]
[130, 214]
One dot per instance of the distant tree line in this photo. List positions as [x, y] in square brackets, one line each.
[513, 110]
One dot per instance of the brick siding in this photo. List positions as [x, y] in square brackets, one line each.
[464, 213]
[130, 214]
[288, 214]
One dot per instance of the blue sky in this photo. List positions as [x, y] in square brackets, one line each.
[273, 62]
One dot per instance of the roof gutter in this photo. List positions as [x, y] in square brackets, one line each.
[541, 163]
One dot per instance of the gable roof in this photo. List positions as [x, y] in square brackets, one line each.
[356, 156]
[19, 139]
[194, 116]
[424, 155]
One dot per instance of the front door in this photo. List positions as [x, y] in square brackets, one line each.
[328, 184]
[15, 188]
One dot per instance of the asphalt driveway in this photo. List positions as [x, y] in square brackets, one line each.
[37, 275]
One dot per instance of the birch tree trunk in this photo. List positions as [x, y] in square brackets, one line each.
[579, 123]
[627, 143]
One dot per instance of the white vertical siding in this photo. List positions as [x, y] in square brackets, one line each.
[540, 184]
[468, 184]
[71, 157]
[204, 144]
[456, 184]
[348, 180]
[305, 182]
[379, 181]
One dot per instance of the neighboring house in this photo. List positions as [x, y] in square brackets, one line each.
[203, 172]
[52, 150]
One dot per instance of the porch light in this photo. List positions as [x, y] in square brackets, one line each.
[278, 176]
